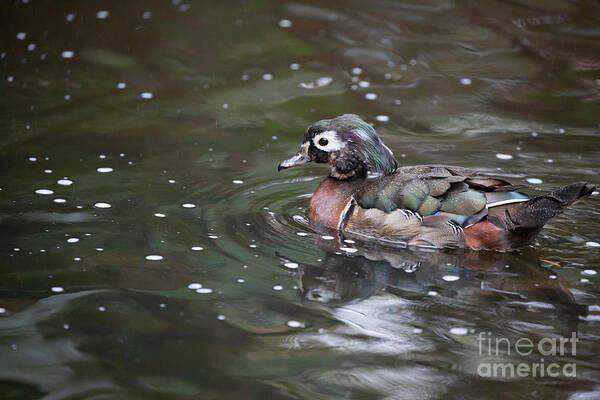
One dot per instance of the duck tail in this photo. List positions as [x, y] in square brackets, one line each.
[524, 220]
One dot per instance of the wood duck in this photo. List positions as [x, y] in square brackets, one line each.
[368, 194]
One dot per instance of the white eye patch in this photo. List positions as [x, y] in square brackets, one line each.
[328, 141]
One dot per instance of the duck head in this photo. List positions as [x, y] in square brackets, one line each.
[348, 144]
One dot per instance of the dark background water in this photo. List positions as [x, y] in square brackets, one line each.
[196, 103]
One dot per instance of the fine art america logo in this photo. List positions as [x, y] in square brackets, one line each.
[499, 348]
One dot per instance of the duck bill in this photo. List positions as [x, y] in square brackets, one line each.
[299, 158]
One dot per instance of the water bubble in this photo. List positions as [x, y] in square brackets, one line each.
[364, 84]
[213, 236]
[57, 289]
[285, 23]
[146, 95]
[2, 310]
[102, 14]
[32, 159]
[101, 308]
[188, 205]
[278, 287]
[67, 54]
[327, 237]
[301, 233]
[459, 331]
[534, 181]
[357, 71]
[99, 249]
[450, 278]
[194, 286]
[589, 272]
[70, 17]
[10, 78]
[371, 96]
[72, 240]
[171, 180]
[592, 244]
[295, 324]
[102, 156]
[240, 280]
[348, 249]
[160, 215]
[146, 15]
[31, 47]
[504, 156]
[417, 330]
[465, 81]
[204, 291]
[197, 248]
[382, 118]
[237, 181]
[432, 293]
[104, 170]
[102, 205]
[267, 77]
[64, 182]
[291, 265]
[154, 257]
[294, 66]
[44, 191]
[21, 36]
[67, 97]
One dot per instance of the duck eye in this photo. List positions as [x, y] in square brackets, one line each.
[323, 142]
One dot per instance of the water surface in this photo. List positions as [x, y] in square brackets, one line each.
[151, 250]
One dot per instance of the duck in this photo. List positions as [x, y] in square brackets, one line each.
[368, 194]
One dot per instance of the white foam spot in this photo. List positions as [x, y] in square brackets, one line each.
[584, 280]
[213, 237]
[171, 181]
[44, 191]
[101, 308]
[432, 293]
[204, 291]
[160, 215]
[465, 81]
[504, 156]
[60, 201]
[240, 280]
[349, 241]
[57, 289]
[48, 171]
[72, 240]
[146, 95]
[67, 54]
[102, 14]
[154, 257]
[459, 331]
[2, 310]
[450, 278]
[70, 17]
[278, 287]
[294, 66]
[357, 71]
[295, 324]
[589, 272]
[301, 233]
[146, 15]
[348, 249]
[534, 181]
[197, 248]
[64, 182]
[102, 205]
[291, 265]
[382, 118]
[267, 77]
[221, 317]
[194, 286]
[21, 35]
[364, 84]
[31, 47]
[327, 237]
[237, 181]
[104, 170]
[285, 23]
[370, 96]
[592, 244]
[121, 85]
[188, 205]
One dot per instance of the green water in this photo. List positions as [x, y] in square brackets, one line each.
[158, 104]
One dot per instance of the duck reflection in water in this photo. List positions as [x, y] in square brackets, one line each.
[480, 279]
